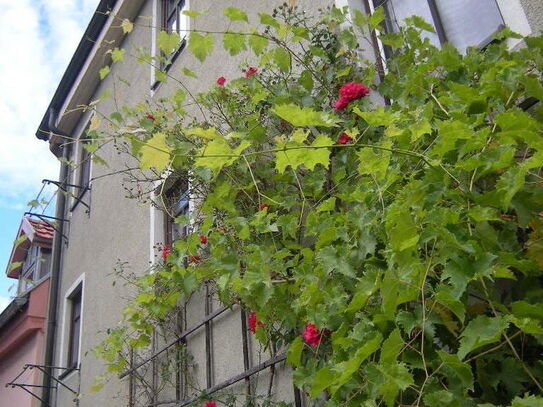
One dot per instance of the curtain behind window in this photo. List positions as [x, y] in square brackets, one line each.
[469, 22]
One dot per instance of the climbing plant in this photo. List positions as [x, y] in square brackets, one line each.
[383, 222]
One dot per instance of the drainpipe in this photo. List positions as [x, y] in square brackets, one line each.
[54, 282]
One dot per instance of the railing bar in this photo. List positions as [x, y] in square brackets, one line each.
[177, 340]
[270, 362]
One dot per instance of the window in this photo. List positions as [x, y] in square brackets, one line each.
[177, 200]
[84, 167]
[35, 267]
[74, 327]
[174, 21]
[463, 23]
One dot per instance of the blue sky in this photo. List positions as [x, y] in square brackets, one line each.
[37, 40]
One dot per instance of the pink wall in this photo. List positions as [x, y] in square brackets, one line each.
[21, 343]
[29, 351]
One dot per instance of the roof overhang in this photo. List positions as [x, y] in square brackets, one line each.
[20, 247]
[81, 78]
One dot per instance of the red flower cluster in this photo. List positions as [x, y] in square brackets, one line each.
[311, 335]
[194, 259]
[166, 249]
[150, 117]
[251, 71]
[254, 322]
[344, 138]
[211, 403]
[203, 239]
[221, 81]
[349, 92]
[261, 207]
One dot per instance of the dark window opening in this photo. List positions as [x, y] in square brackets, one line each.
[75, 328]
[84, 167]
[177, 201]
[173, 21]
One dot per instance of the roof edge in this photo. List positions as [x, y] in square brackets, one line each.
[79, 58]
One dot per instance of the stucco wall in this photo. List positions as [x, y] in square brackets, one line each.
[534, 13]
[28, 351]
[119, 228]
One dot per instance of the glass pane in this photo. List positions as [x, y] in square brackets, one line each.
[183, 20]
[172, 23]
[469, 22]
[399, 10]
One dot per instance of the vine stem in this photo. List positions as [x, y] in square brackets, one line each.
[253, 177]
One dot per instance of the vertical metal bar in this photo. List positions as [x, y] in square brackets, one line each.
[438, 24]
[154, 370]
[245, 342]
[297, 397]
[209, 376]
[131, 381]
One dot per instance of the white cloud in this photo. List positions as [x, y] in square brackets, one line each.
[37, 40]
[4, 302]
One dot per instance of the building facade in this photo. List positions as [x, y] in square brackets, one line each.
[100, 228]
[23, 322]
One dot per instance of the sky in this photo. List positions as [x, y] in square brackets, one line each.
[37, 41]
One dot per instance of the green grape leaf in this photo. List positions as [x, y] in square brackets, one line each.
[234, 43]
[217, 153]
[155, 153]
[168, 43]
[347, 369]
[258, 43]
[479, 332]
[266, 19]
[127, 26]
[117, 55]
[460, 369]
[323, 380]
[188, 72]
[235, 14]
[303, 116]
[104, 71]
[200, 45]
[282, 59]
[294, 354]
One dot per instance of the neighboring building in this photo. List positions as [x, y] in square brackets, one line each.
[22, 323]
[99, 226]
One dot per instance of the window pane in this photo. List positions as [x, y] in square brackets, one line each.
[469, 22]
[75, 325]
[399, 10]
[85, 163]
[183, 20]
[172, 24]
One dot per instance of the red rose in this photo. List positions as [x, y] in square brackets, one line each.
[251, 71]
[341, 103]
[211, 403]
[194, 259]
[165, 251]
[203, 239]
[150, 117]
[254, 322]
[311, 335]
[221, 81]
[344, 138]
[353, 90]
[261, 207]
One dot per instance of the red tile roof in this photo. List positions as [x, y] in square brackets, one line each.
[42, 229]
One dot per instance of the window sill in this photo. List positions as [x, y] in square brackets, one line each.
[80, 197]
[67, 372]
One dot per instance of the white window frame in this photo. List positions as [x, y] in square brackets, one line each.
[63, 351]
